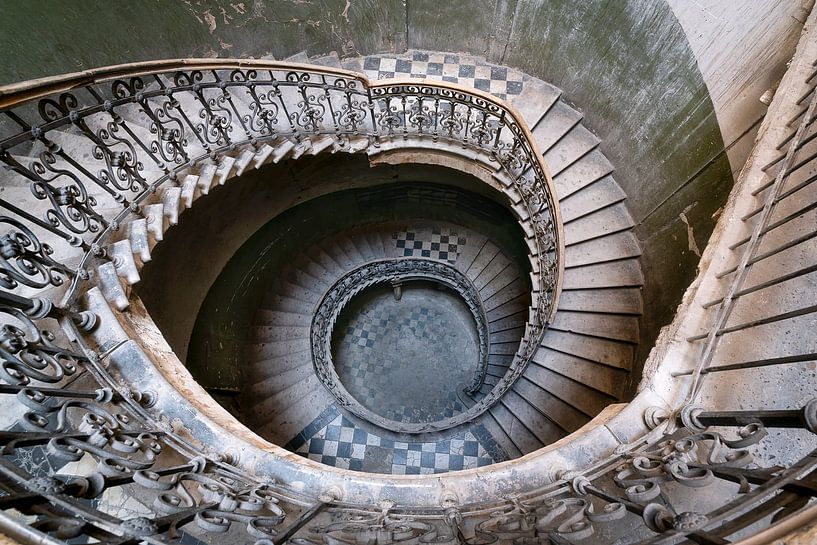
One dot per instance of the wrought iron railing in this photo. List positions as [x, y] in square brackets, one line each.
[94, 148]
[88, 460]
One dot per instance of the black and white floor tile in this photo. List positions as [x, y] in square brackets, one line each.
[466, 70]
[406, 360]
[334, 440]
[440, 244]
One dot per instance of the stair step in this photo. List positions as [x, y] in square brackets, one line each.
[600, 377]
[603, 222]
[535, 100]
[532, 419]
[592, 167]
[559, 120]
[483, 259]
[268, 368]
[610, 326]
[265, 351]
[264, 317]
[563, 414]
[608, 248]
[613, 353]
[489, 421]
[610, 300]
[280, 381]
[266, 334]
[595, 196]
[587, 400]
[623, 273]
[575, 144]
[519, 435]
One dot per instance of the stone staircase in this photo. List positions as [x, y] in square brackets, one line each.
[584, 361]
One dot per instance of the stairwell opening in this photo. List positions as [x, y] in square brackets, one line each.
[407, 351]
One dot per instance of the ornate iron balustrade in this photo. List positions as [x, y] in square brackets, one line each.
[80, 144]
[388, 271]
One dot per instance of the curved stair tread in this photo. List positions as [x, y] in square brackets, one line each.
[516, 432]
[509, 335]
[275, 333]
[262, 369]
[574, 145]
[615, 246]
[486, 255]
[516, 288]
[510, 321]
[560, 119]
[602, 222]
[603, 378]
[582, 398]
[492, 425]
[501, 281]
[595, 196]
[610, 300]
[613, 353]
[537, 423]
[535, 100]
[610, 326]
[283, 379]
[560, 413]
[613, 274]
[279, 348]
[589, 169]
[265, 317]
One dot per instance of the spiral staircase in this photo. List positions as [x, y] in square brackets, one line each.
[109, 437]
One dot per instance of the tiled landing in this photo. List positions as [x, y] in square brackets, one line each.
[406, 360]
[466, 70]
[334, 440]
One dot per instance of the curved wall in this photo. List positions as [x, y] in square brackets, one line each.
[630, 66]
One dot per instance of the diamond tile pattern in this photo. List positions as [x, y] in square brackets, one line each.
[442, 244]
[405, 360]
[340, 443]
[464, 70]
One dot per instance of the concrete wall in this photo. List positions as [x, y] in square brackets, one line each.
[644, 72]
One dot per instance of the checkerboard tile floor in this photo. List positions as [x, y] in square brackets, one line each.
[341, 444]
[466, 70]
[405, 360]
[443, 244]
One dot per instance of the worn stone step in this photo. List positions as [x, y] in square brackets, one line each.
[267, 350]
[514, 429]
[570, 148]
[561, 413]
[610, 326]
[560, 119]
[537, 423]
[265, 317]
[603, 378]
[609, 300]
[268, 368]
[590, 168]
[535, 100]
[595, 196]
[613, 353]
[275, 333]
[587, 400]
[612, 219]
[623, 273]
[612, 247]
